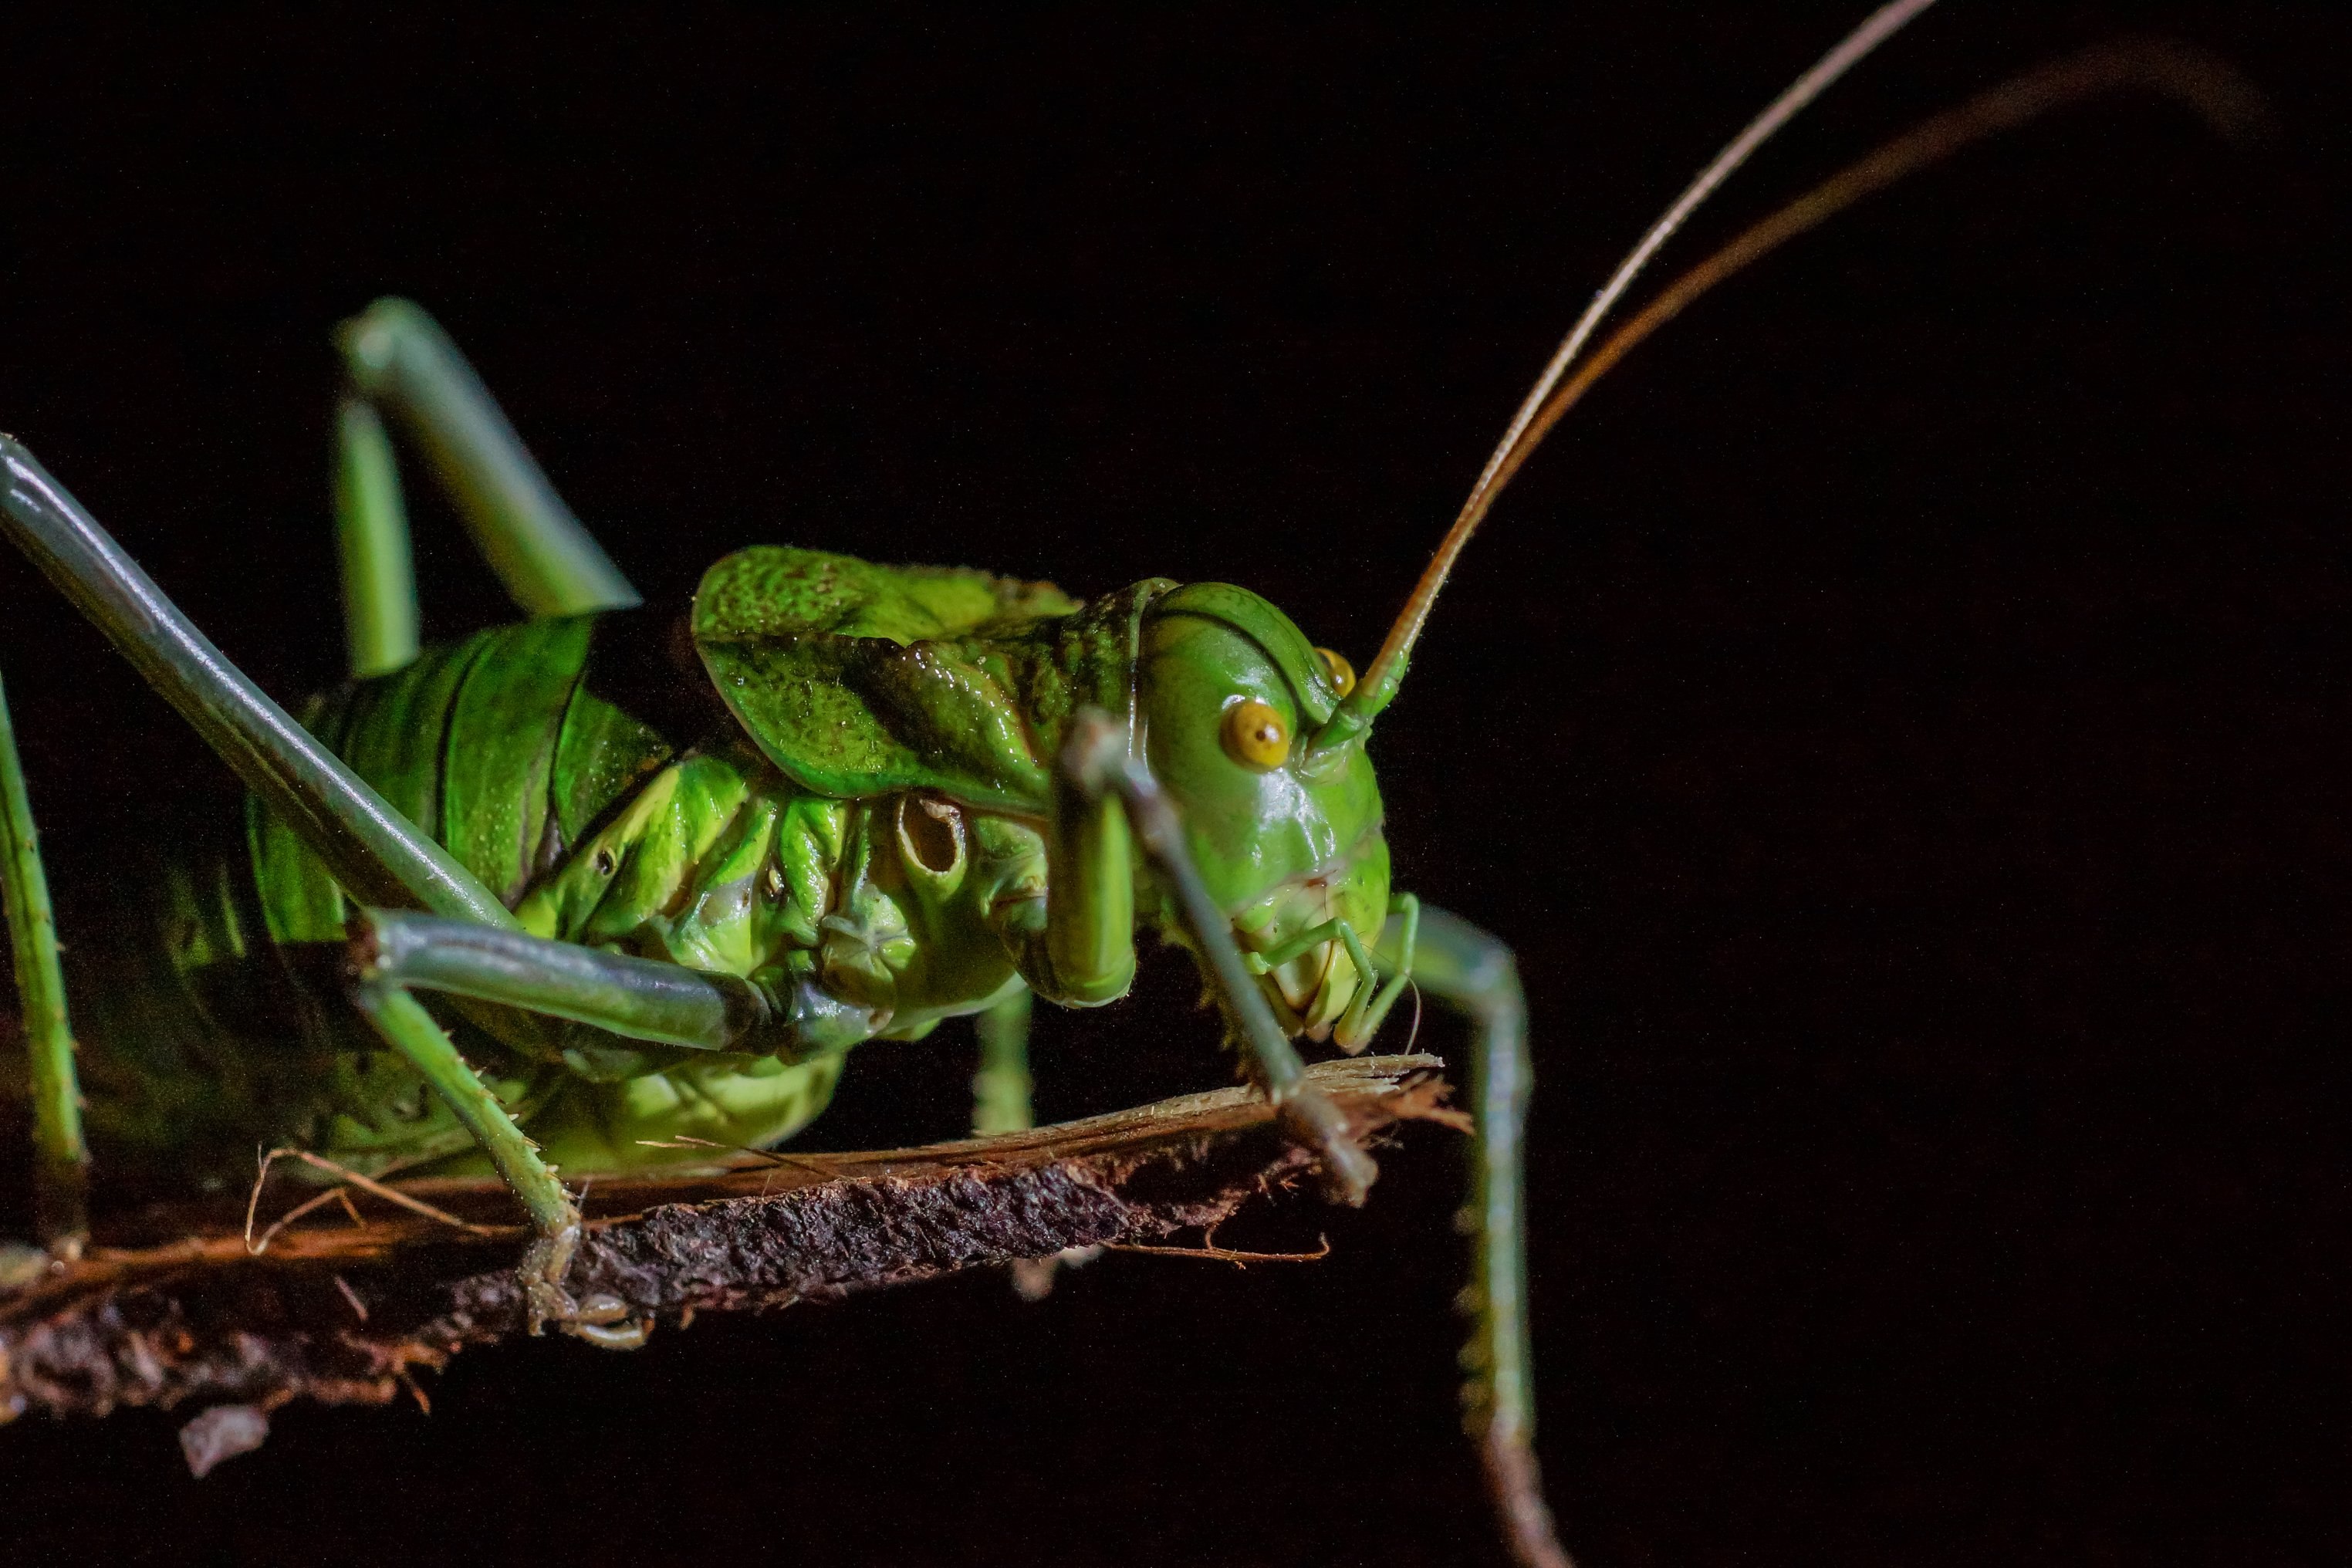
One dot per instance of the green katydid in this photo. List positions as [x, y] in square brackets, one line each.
[659, 898]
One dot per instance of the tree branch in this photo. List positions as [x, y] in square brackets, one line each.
[345, 1302]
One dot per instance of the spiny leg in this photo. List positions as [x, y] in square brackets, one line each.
[61, 1158]
[638, 998]
[1096, 763]
[409, 1029]
[400, 359]
[1475, 973]
[372, 529]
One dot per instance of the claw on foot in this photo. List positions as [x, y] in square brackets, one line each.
[609, 1323]
[604, 1320]
[1311, 1120]
[544, 1264]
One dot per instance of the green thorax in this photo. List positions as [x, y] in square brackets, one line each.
[215, 1016]
[859, 680]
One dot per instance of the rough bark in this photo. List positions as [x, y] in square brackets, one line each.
[177, 1308]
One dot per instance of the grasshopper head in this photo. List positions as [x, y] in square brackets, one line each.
[1287, 837]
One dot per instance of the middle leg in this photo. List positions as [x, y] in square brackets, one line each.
[1476, 973]
[1097, 765]
[396, 953]
[1000, 1089]
[1000, 1103]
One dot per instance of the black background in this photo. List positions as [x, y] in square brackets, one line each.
[1901, 724]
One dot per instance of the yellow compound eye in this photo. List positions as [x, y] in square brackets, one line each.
[1255, 735]
[1338, 671]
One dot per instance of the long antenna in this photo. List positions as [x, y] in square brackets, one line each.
[2229, 103]
[1380, 680]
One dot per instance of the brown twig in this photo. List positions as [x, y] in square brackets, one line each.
[213, 1323]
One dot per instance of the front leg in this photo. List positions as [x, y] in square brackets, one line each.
[1076, 945]
[1475, 972]
[1117, 790]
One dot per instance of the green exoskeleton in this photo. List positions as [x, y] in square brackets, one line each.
[658, 872]
[563, 896]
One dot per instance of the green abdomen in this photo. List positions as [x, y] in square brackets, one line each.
[217, 1019]
[526, 752]
[500, 747]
